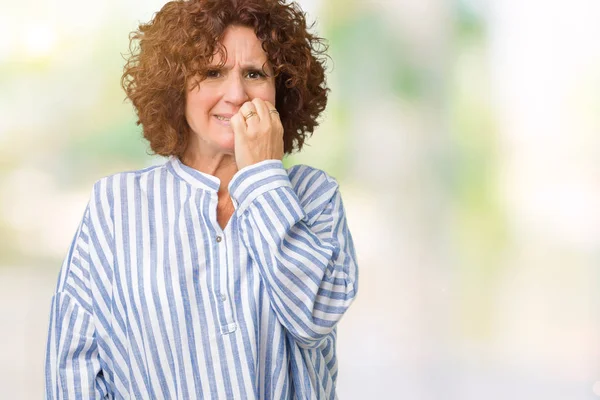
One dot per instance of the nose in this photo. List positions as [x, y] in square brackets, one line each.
[235, 92]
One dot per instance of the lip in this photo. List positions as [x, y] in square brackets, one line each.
[225, 123]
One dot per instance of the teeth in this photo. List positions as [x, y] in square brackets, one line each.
[222, 118]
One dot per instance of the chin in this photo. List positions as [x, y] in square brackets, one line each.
[227, 145]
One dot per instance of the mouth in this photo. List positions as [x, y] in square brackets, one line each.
[223, 119]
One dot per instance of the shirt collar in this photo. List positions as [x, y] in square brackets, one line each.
[192, 176]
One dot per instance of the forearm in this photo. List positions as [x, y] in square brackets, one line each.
[305, 256]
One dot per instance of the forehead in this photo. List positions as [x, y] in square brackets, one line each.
[242, 46]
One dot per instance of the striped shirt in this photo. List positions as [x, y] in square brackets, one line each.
[155, 301]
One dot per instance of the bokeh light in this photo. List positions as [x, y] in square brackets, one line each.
[466, 139]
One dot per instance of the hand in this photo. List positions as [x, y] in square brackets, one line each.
[258, 133]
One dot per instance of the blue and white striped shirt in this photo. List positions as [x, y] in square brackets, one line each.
[156, 301]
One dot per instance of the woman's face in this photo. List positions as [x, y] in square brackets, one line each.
[210, 105]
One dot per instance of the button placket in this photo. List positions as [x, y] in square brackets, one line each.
[225, 306]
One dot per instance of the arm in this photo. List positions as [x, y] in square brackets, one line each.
[72, 360]
[303, 248]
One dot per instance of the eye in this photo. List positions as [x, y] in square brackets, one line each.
[255, 74]
[213, 73]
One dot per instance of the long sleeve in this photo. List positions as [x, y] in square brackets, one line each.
[72, 360]
[300, 241]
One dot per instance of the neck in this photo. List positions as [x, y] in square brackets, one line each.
[221, 166]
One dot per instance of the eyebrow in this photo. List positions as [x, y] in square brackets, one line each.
[244, 66]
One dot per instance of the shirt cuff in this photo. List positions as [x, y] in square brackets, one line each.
[254, 180]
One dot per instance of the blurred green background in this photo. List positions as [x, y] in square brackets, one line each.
[466, 138]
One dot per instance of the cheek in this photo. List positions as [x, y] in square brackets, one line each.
[272, 93]
[197, 105]
[265, 93]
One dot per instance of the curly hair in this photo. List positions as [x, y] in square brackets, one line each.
[176, 45]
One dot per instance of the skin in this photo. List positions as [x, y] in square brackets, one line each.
[223, 141]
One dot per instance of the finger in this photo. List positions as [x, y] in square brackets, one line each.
[247, 107]
[249, 112]
[274, 117]
[273, 114]
[270, 106]
[261, 109]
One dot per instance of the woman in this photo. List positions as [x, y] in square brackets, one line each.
[219, 274]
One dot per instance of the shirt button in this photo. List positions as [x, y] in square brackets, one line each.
[222, 297]
[218, 239]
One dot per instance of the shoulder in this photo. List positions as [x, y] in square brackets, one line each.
[108, 184]
[131, 176]
[111, 188]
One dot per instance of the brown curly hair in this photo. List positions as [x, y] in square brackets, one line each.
[176, 45]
